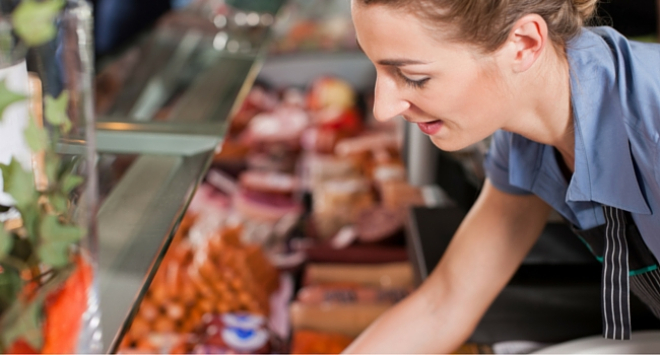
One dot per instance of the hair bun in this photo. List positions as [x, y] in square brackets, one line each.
[586, 8]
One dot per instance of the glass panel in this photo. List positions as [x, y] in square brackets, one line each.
[48, 236]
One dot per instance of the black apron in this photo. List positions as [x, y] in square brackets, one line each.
[628, 265]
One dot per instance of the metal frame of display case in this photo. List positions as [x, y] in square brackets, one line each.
[169, 157]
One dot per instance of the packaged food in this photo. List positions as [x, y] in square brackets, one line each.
[237, 333]
[284, 124]
[356, 254]
[338, 203]
[347, 319]
[328, 91]
[400, 194]
[391, 275]
[267, 196]
[313, 342]
[215, 275]
[319, 168]
[378, 224]
[347, 293]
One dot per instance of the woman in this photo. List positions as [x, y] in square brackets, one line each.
[575, 114]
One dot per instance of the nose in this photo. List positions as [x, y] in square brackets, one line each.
[388, 102]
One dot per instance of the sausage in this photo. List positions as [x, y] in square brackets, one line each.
[391, 275]
[333, 294]
[347, 319]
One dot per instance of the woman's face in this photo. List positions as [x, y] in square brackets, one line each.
[453, 93]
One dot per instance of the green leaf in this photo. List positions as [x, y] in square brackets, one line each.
[54, 254]
[59, 203]
[10, 286]
[34, 21]
[55, 241]
[6, 241]
[30, 216]
[52, 166]
[70, 182]
[26, 326]
[8, 97]
[56, 111]
[19, 184]
[35, 136]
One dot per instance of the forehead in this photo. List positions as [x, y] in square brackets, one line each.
[387, 32]
[380, 24]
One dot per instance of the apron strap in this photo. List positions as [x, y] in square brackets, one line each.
[615, 297]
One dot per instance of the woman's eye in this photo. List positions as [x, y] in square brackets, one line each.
[417, 84]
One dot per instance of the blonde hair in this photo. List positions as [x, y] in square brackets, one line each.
[487, 23]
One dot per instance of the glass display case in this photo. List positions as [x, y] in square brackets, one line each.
[163, 110]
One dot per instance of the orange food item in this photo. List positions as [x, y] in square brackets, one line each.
[20, 346]
[219, 277]
[139, 328]
[163, 324]
[311, 342]
[175, 310]
[64, 310]
[148, 310]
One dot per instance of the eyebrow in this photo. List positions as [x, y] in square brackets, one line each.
[394, 62]
[399, 62]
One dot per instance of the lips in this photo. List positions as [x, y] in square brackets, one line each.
[430, 128]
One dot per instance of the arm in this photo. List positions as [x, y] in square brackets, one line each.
[487, 249]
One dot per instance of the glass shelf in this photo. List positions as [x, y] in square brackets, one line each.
[136, 222]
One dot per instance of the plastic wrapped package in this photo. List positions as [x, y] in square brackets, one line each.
[338, 203]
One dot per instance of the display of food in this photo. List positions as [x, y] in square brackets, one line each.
[267, 195]
[194, 282]
[213, 291]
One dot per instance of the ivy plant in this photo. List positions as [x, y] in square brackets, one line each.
[41, 242]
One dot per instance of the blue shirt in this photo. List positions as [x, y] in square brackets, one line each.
[615, 93]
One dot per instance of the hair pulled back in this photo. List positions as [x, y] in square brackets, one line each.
[487, 23]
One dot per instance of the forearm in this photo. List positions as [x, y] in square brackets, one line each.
[443, 312]
[418, 324]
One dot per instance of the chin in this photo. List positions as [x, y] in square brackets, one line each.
[449, 145]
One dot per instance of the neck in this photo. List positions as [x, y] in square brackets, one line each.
[547, 116]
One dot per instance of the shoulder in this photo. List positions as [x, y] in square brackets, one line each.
[618, 75]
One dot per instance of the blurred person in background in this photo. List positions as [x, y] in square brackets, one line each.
[117, 21]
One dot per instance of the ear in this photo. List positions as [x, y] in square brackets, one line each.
[528, 36]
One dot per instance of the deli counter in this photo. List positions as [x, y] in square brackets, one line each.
[349, 214]
[163, 107]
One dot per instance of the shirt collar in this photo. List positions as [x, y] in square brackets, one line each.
[604, 169]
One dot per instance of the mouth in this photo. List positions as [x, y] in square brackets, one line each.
[431, 127]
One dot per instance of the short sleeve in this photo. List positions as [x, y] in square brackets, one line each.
[496, 163]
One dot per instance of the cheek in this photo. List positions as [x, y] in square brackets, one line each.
[482, 98]
[461, 99]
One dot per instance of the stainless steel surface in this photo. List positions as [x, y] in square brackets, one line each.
[135, 225]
